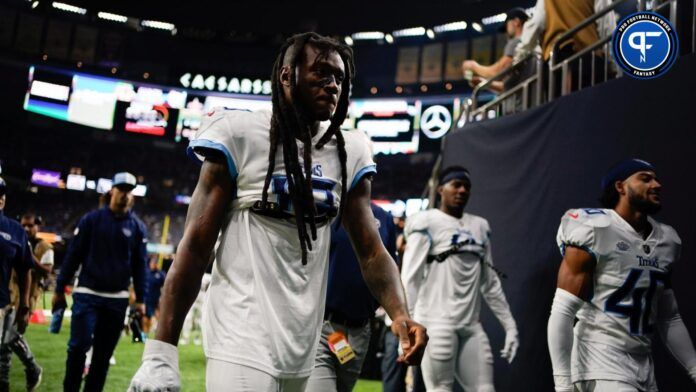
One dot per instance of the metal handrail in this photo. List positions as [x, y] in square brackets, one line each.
[500, 98]
[474, 110]
[553, 67]
[570, 33]
[672, 11]
[523, 85]
[499, 76]
[431, 186]
[584, 51]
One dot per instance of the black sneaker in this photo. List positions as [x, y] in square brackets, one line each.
[33, 378]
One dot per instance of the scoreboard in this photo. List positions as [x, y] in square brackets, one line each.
[124, 106]
[395, 125]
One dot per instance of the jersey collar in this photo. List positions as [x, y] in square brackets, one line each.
[653, 224]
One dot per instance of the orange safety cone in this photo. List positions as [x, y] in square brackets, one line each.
[37, 317]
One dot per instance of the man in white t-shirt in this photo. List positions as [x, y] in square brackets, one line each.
[447, 270]
[273, 182]
[615, 278]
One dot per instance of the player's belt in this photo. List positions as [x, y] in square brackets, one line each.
[338, 318]
[273, 210]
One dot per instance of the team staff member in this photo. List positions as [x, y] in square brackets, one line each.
[43, 263]
[15, 253]
[447, 270]
[110, 247]
[349, 308]
[154, 290]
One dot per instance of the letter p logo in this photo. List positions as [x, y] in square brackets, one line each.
[641, 45]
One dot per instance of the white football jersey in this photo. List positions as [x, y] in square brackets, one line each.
[447, 292]
[629, 276]
[264, 309]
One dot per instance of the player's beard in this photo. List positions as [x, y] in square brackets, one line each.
[642, 204]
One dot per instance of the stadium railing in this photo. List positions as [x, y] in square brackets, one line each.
[475, 110]
[530, 91]
[514, 99]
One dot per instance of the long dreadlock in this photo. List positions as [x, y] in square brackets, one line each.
[289, 122]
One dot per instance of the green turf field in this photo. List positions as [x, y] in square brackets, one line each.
[49, 350]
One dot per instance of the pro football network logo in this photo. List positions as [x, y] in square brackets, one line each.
[645, 45]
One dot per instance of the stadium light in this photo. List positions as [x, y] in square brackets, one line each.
[367, 35]
[389, 38]
[34, 4]
[494, 19]
[348, 40]
[69, 8]
[112, 17]
[454, 26]
[430, 33]
[411, 32]
[477, 27]
[155, 24]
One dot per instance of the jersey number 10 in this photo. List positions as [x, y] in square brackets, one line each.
[641, 307]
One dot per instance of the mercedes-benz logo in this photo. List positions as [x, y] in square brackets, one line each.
[435, 121]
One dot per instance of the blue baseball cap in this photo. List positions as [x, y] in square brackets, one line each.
[3, 185]
[625, 169]
[124, 179]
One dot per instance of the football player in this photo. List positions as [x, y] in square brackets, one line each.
[447, 269]
[615, 278]
[273, 182]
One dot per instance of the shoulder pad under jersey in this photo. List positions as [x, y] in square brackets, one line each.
[417, 222]
[593, 217]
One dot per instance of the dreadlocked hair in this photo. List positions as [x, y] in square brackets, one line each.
[289, 122]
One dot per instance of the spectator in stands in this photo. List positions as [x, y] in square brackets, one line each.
[514, 23]
[349, 308]
[15, 253]
[553, 18]
[109, 247]
[154, 290]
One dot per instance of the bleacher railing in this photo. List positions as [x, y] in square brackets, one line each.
[474, 110]
[520, 97]
[599, 48]
[530, 92]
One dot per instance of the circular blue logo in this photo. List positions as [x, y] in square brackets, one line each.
[645, 45]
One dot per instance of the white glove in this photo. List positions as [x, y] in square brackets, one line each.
[159, 371]
[512, 342]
